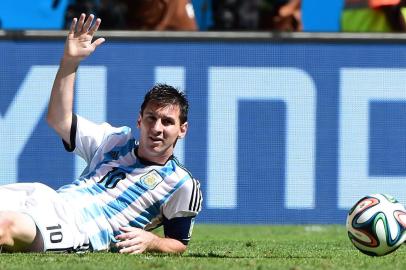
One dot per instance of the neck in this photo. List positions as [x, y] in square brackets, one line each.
[161, 160]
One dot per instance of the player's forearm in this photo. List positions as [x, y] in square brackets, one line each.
[167, 245]
[61, 101]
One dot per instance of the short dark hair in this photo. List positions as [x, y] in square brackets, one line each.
[164, 95]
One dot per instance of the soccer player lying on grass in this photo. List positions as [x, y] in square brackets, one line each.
[127, 189]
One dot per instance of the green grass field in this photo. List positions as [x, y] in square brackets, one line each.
[231, 247]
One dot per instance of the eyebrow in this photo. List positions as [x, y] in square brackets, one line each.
[150, 113]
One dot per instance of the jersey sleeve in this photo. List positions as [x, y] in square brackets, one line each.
[180, 211]
[185, 202]
[86, 137]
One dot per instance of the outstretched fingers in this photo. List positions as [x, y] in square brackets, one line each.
[88, 23]
[80, 23]
[73, 26]
[95, 26]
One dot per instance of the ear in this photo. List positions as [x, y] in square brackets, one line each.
[183, 130]
[139, 121]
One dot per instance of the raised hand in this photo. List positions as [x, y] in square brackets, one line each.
[79, 41]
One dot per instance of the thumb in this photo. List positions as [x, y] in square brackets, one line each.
[98, 42]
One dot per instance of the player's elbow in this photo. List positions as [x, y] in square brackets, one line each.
[60, 123]
[179, 250]
[50, 120]
[182, 248]
[54, 123]
[175, 246]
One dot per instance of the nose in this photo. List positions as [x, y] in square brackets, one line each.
[157, 126]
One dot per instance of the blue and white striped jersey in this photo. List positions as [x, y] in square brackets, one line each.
[118, 189]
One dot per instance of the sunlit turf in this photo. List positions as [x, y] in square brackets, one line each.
[231, 247]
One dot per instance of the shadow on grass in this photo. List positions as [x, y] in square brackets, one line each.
[267, 256]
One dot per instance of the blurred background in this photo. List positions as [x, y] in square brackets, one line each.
[298, 108]
[310, 15]
[206, 15]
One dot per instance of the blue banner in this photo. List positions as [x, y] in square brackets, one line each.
[278, 132]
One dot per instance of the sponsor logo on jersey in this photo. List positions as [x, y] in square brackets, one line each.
[151, 179]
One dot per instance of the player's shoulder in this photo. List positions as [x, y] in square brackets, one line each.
[191, 184]
[120, 131]
[194, 192]
[191, 193]
[120, 134]
[121, 137]
[179, 166]
[103, 127]
[187, 198]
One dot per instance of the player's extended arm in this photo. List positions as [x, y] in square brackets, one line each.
[135, 241]
[78, 45]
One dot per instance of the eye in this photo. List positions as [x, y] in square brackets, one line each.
[168, 121]
[150, 118]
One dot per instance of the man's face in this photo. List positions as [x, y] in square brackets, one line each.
[159, 130]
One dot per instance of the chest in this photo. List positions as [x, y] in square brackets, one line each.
[130, 182]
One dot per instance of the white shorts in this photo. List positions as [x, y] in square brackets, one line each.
[54, 218]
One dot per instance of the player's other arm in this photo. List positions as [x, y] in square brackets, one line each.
[135, 240]
[178, 218]
[78, 45]
[177, 235]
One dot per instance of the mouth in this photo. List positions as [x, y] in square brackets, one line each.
[156, 139]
